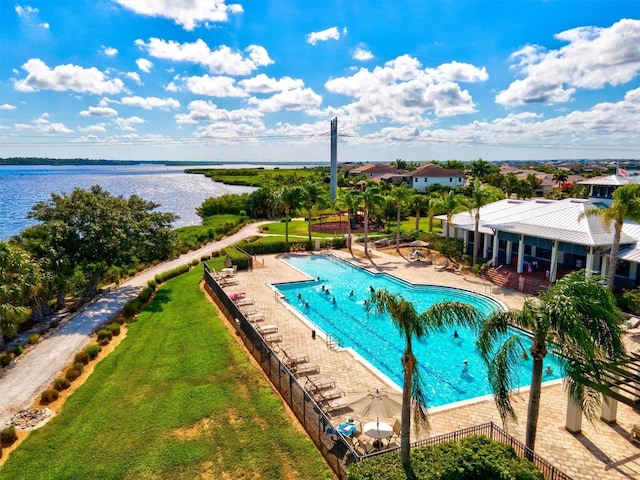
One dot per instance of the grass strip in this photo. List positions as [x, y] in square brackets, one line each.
[177, 399]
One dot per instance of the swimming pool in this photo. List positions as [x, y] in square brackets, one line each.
[335, 305]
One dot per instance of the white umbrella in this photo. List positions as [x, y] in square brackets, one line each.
[377, 403]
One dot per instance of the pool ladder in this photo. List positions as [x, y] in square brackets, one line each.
[333, 343]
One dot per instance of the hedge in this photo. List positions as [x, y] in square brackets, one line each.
[259, 248]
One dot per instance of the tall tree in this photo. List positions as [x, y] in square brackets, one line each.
[349, 200]
[413, 325]
[449, 203]
[312, 194]
[19, 280]
[625, 206]
[420, 202]
[560, 176]
[289, 198]
[400, 195]
[579, 318]
[480, 169]
[481, 195]
[370, 198]
[95, 230]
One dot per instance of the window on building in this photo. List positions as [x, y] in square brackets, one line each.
[623, 268]
[450, 179]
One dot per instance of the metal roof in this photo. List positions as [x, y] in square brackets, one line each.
[563, 220]
[612, 180]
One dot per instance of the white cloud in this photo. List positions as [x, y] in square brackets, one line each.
[329, 34]
[187, 13]
[109, 51]
[144, 64]
[206, 111]
[45, 25]
[99, 112]
[134, 76]
[98, 127]
[148, 103]
[66, 77]
[224, 60]
[593, 58]
[6, 106]
[401, 91]
[296, 99]
[218, 86]
[362, 55]
[43, 125]
[127, 124]
[261, 83]
[25, 11]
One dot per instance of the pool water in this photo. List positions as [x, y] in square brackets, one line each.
[335, 305]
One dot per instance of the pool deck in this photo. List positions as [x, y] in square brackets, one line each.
[601, 451]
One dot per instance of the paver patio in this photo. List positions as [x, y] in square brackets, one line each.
[601, 451]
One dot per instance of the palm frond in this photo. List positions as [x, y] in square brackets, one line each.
[503, 375]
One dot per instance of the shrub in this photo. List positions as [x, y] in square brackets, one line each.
[114, 328]
[8, 436]
[104, 336]
[48, 396]
[54, 324]
[93, 351]
[6, 359]
[60, 384]
[34, 338]
[152, 284]
[18, 350]
[195, 262]
[72, 373]
[82, 357]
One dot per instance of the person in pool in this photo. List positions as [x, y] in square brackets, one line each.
[548, 370]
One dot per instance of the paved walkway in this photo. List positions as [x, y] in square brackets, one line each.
[600, 452]
[35, 370]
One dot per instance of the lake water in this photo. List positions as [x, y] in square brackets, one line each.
[177, 192]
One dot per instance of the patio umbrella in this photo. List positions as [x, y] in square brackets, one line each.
[418, 243]
[377, 403]
[227, 261]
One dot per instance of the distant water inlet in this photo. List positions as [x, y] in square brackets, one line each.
[449, 364]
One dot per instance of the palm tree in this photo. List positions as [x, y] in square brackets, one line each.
[349, 199]
[480, 196]
[289, 198]
[400, 195]
[560, 176]
[419, 202]
[370, 198]
[413, 325]
[580, 319]
[449, 203]
[19, 279]
[312, 193]
[625, 206]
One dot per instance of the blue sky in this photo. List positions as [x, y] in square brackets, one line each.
[260, 80]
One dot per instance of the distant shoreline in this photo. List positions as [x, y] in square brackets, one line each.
[23, 161]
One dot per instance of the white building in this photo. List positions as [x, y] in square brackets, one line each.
[431, 174]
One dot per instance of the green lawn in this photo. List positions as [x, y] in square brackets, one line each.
[298, 230]
[178, 398]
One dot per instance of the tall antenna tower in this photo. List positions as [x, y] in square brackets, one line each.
[334, 158]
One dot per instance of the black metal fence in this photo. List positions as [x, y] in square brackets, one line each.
[336, 450]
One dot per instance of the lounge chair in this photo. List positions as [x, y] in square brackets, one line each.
[304, 368]
[634, 435]
[266, 329]
[294, 358]
[317, 383]
[243, 302]
[225, 282]
[235, 296]
[328, 395]
[337, 404]
[397, 428]
[439, 268]
[632, 327]
[272, 338]
[256, 317]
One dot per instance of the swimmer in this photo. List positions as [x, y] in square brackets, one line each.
[333, 300]
[306, 304]
[299, 295]
[371, 289]
[465, 366]
[548, 370]
[322, 288]
[327, 291]
[351, 293]
[455, 334]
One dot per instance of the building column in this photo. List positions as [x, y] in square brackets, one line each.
[604, 265]
[485, 246]
[520, 268]
[465, 241]
[590, 257]
[509, 252]
[609, 410]
[496, 246]
[573, 422]
[553, 270]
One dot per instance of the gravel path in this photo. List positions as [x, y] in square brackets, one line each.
[23, 381]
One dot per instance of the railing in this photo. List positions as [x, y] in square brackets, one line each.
[495, 433]
[338, 452]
